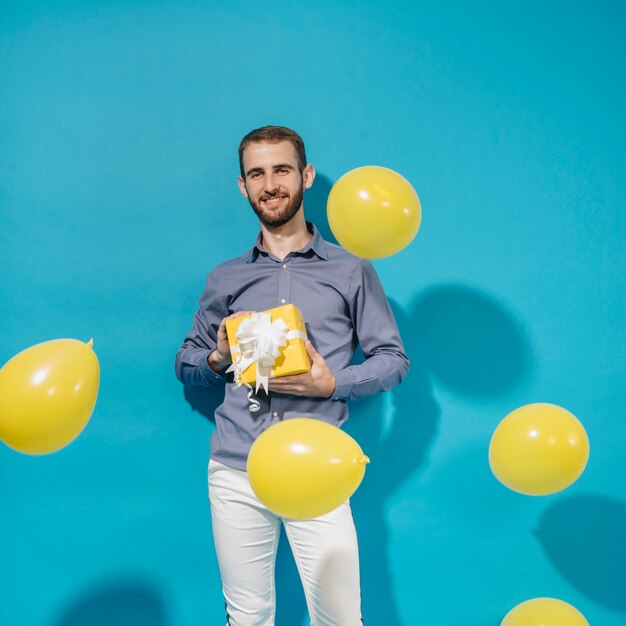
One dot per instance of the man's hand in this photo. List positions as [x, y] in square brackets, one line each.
[220, 358]
[318, 382]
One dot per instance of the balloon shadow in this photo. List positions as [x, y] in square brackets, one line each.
[397, 445]
[583, 536]
[315, 201]
[125, 602]
[471, 343]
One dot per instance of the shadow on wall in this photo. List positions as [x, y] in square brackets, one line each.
[315, 200]
[471, 343]
[126, 602]
[485, 353]
[205, 400]
[583, 536]
[397, 451]
[290, 602]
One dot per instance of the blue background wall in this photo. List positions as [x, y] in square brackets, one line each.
[119, 127]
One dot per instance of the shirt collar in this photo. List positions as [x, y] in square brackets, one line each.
[317, 245]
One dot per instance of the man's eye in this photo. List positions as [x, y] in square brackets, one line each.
[282, 170]
[255, 174]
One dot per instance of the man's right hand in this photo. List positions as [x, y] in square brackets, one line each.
[220, 359]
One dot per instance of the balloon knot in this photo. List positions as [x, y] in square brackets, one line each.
[364, 459]
[90, 343]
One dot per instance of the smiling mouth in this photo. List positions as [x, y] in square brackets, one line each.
[273, 201]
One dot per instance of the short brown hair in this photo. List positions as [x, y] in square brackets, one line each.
[273, 134]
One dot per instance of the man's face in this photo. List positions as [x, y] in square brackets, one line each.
[273, 184]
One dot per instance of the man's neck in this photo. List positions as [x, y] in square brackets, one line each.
[289, 237]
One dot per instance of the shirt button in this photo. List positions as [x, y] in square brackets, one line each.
[284, 266]
[283, 301]
[275, 414]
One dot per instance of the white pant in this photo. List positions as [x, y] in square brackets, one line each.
[246, 539]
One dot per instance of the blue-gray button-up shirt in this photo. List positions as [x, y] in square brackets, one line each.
[342, 302]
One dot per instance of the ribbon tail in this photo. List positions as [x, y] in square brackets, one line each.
[238, 366]
[262, 377]
[253, 404]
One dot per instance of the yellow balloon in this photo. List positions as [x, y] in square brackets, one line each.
[538, 449]
[544, 612]
[303, 468]
[47, 395]
[373, 212]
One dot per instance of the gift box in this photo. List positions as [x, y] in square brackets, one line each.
[255, 348]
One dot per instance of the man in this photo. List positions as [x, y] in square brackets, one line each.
[342, 302]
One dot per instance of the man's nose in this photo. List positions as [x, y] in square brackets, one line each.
[271, 186]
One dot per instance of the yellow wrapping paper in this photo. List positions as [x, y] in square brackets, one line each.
[293, 358]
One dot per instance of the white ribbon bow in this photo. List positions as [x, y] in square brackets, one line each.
[259, 341]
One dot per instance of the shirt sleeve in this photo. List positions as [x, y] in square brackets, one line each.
[386, 362]
[192, 367]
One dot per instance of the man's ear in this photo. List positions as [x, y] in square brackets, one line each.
[308, 176]
[242, 187]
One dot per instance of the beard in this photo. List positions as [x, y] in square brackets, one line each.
[277, 217]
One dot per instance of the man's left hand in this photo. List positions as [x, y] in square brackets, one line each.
[318, 382]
